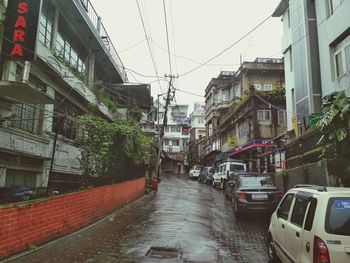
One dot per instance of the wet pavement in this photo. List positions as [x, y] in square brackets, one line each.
[193, 219]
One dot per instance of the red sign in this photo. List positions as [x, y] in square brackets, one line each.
[21, 29]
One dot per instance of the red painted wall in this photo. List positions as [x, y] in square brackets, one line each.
[25, 224]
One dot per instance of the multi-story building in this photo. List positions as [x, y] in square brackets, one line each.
[316, 46]
[316, 49]
[176, 134]
[218, 98]
[258, 114]
[74, 57]
[197, 131]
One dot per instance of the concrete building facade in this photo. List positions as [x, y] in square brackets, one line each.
[197, 131]
[73, 54]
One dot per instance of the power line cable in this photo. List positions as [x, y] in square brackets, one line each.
[148, 44]
[228, 48]
[133, 46]
[167, 36]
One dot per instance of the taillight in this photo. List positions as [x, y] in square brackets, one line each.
[321, 253]
[278, 194]
[240, 194]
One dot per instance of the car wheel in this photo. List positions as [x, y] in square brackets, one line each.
[271, 250]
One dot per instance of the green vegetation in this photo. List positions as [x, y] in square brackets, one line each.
[333, 119]
[111, 147]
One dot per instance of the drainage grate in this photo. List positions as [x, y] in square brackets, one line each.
[164, 252]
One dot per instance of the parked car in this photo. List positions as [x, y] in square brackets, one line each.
[194, 172]
[15, 194]
[228, 187]
[225, 169]
[310, 225]
[254, 193]
[206, 175]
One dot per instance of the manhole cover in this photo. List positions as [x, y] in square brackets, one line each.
[164, 252]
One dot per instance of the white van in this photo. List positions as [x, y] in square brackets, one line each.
[224, 170]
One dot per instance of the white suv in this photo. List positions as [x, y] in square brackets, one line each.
[225, 169]
[311, 225]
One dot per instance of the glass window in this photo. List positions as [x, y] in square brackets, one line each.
[283, 210]
[264, 115]
[45, 24]
[268, 87]
[176, 143]
[236, 167]
[282, 117]
[299, 211]
[311, 215]
[347, 57]
[338, 216]
[175, 129]
[24, 116]
[166, 142]
[339, 64]
[256, 181]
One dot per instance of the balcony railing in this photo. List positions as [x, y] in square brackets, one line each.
[98, 25]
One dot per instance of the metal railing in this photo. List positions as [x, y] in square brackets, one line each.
[99, 27]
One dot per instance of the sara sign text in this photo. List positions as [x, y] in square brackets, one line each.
[21, 29]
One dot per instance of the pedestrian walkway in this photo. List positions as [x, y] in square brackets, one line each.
[191, 218]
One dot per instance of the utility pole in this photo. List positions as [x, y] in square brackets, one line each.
[165, 121]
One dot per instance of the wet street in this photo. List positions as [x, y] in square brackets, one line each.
[193, 219]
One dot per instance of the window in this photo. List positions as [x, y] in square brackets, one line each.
[339, 64]
[299, 211]
[264, 115]
[257, 86]
[338, 216]
[25, 117]
[45, 24]
[175, 129]
[268, 87]
[342, 57]
[176, 143]
[166, 142]
[243, 129]
[161, 116]
[282, 117]
[311, 215]
[283, 210]
[67, 52]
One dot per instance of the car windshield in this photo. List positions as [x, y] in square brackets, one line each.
[256, 181]
[338, 216]
[236, 167]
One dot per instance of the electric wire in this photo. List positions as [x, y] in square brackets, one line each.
[148, 44]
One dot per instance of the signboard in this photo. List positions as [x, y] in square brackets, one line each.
[232, 141]
[183, 122]
[21, 27]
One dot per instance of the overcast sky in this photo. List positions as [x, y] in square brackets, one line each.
[198, 30]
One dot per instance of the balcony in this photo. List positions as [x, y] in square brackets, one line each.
[172, 149]
[25, 92]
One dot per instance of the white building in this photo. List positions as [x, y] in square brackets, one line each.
[316, 47]
[176, 135]
[197, 131]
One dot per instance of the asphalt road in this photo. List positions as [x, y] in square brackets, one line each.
[192, 221]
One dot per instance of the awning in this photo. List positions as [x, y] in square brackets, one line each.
[249, 145]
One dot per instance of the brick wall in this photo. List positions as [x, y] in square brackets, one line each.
[33, 223]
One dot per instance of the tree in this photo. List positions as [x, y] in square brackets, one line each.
[333, 119]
